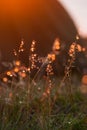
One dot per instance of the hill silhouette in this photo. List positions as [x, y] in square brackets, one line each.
[40, 20]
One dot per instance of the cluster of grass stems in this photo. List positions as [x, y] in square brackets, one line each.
[45, 103]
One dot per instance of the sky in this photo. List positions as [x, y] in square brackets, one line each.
[78, 11]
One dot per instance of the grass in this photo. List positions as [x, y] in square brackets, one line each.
[32, 110]
[33, 100]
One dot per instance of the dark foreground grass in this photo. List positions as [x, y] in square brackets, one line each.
[28, 108]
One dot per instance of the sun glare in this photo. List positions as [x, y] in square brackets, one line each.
[14, 8]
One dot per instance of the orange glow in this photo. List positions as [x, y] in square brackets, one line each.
[15, 8]
[5, 79]
[8, 73]
[84, 49]
[51, 57]
[17, 63]
[56, 45]
[16, 69]
[9, 8]
[84, 79]
[22, 74]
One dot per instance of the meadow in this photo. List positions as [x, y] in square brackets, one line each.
[34, 98]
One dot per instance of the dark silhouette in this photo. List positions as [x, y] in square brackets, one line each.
[40, 20]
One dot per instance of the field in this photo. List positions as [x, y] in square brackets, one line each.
[34, 99]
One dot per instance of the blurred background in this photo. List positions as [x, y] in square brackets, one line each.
[78, 11]
[40, 20]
